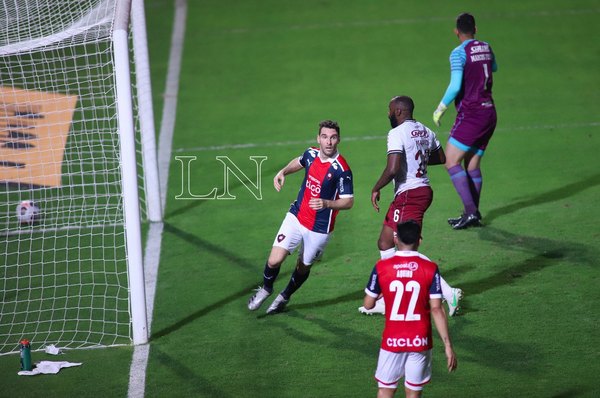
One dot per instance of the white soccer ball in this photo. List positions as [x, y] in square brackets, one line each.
[27, 212]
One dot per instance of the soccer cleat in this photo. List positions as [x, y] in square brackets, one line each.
[466, 221]
[454, 301]
[454, 220]
[259, 297]
[378, 309]
[277, 305]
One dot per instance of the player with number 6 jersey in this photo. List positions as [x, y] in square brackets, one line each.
[411, 148]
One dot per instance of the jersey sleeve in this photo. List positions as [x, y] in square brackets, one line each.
[394, 142]
[346, 185]
[307, 157]
[494, 64]
[435, 291]
[435, 143]
[458, 59]
[373, 289]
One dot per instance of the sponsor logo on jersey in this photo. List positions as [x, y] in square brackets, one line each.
[419, 133]
[411, 266]
[314, 186]
[416, 342]
[405, 270]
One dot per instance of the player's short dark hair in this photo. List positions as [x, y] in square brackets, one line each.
[404, 102]
[465, 23]
[330, 124]
[408, 232]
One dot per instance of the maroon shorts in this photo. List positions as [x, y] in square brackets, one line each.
[474, 128]
[409, 205]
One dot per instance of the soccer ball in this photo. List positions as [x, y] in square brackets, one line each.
[27, 212]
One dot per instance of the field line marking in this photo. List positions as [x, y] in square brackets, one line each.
[141, 353]
[367, 138]
[407, 21]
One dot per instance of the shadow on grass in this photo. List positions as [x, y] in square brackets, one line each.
[546, 197]
[187, 376]
[508, 356]
[546, 252]
[339, 338]
[219, 251]
[202, 244]
[352, 296]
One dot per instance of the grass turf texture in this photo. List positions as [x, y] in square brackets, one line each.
[268, 72]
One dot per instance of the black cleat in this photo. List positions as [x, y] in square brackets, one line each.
[454, 220]
[466, 221]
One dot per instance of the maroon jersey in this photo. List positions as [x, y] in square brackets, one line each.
[476, 59]
[407, 280]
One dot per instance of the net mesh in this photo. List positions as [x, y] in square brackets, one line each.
[64, 277]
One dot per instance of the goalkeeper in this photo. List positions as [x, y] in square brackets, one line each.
[471, 66]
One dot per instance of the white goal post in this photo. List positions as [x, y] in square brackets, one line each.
[76, 138]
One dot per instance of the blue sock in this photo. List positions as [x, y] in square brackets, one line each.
[269, 276]
[295, 282]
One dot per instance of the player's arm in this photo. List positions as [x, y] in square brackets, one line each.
[293, 166]
[369, 302]
[457, 62]
[338, 204]
[438, 156]
[449, 96]
[345, 200]
[392, 168]
[372, 291]
[441, 324]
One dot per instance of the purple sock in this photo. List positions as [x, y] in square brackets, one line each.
[477, 181]
[461, 183]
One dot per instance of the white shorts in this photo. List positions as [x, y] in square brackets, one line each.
[415, 367]
[291, 234]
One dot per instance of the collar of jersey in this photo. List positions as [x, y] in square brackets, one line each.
[331, 159]
[407, 253]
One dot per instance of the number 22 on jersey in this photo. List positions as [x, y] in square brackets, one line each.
[409, 291]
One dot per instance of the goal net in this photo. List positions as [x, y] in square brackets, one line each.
[71, 277]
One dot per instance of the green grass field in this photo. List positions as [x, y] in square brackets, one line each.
[266, 73]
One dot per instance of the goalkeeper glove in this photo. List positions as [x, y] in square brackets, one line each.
[438, 113]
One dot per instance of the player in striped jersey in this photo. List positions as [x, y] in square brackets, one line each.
[326, 189]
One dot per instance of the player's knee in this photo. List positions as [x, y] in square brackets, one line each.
[276, 259]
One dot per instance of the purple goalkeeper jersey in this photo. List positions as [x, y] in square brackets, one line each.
[477, 61]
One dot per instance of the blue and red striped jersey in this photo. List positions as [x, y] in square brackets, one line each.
[330, 180]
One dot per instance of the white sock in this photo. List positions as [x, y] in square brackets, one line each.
[387, 253]
[446, 289]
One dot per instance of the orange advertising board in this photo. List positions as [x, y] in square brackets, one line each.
[34, 127]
